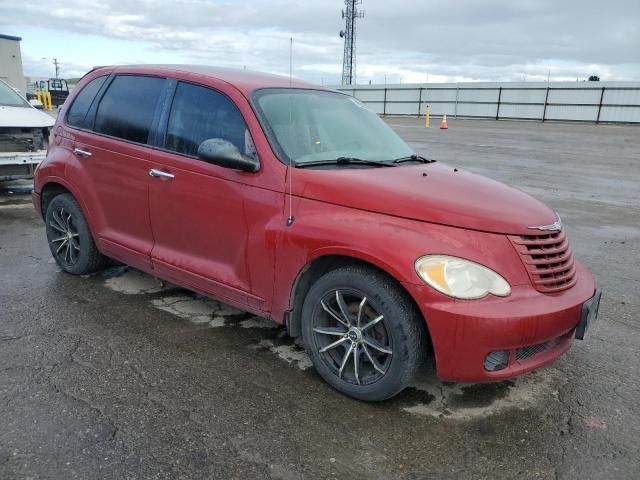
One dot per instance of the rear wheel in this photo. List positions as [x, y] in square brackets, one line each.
[69, 238]
[363, 334]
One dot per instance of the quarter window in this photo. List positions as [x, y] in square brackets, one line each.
[200, 113]
[82, 102]
[128, 107]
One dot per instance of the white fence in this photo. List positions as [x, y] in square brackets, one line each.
[607, 102]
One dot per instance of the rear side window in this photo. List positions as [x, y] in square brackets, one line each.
[128, 107]
[82, 102]
[199, 113]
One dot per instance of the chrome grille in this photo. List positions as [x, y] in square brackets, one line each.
[548, 259]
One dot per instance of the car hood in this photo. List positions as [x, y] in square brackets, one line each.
[24, 117]
[435, 193]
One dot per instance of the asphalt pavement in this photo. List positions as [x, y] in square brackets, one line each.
[118, 375]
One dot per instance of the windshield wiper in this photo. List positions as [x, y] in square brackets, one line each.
[344, 161]
[412, 158]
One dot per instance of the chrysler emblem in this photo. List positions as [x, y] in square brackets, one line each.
[554, 227]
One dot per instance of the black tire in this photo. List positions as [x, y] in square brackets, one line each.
[401, 331]
[69, 238]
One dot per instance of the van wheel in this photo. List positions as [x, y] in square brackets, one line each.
[363, 333]
[69, 237]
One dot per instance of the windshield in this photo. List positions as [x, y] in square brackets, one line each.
[310, 125]
[9, 97]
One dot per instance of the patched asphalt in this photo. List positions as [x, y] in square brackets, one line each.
[118, 375]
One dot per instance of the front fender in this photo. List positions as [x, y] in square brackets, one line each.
[390, 243]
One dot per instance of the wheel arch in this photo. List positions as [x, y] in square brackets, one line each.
[49, 191]
[56, 186]
[320, 265]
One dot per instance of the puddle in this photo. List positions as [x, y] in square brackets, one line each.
[467, 401]
[201, 310]
[413, 398]
[482, 395]
[16, 206]
[182, 303]
[426, 397]
[134, 282]
[288, 349]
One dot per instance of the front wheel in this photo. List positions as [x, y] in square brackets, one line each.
[363, 333]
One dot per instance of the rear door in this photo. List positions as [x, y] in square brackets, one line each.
[112, 156]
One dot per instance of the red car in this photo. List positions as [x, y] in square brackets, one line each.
[296, 203]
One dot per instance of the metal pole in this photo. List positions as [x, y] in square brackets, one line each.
[290, 59]
[455, 108]
[544, 110]
[384, 103]
[600, 105]
[499, 98]
[419, 100]
[353, 21]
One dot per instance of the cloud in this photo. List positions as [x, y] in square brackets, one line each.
[448, 40]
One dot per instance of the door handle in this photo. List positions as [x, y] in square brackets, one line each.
[159, 173]
[81, 153]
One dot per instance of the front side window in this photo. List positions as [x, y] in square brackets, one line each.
[311, 125]
[82, 102]
[127, 108]
[10, 98]
[200, 113]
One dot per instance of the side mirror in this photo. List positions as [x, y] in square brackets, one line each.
[225, 154]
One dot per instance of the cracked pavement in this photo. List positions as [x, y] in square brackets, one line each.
[118, 375]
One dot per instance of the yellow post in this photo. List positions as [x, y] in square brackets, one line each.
[39, 97]
[427, 114]
[47, 95]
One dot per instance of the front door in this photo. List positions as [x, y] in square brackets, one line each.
[209, 222]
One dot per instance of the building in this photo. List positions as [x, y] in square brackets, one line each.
[11, 62]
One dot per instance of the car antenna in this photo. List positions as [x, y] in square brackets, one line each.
[291, 218]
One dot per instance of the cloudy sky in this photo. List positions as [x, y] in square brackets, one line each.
[406, 40]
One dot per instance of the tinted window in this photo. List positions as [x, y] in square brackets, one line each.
[127, 108]
[82, 102]
[199, 113]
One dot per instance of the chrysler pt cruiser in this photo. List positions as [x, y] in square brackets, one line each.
[298, 204]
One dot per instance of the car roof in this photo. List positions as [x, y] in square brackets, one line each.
[244, 80]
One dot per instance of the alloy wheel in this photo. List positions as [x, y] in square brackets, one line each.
[64, 238]
[351, 337]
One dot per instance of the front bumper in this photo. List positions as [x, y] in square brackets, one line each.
[464, 332]
[19, 165]
[22, 158]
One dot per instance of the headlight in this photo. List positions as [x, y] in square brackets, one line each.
[460, 278]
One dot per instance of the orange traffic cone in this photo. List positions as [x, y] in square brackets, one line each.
[443, 125]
